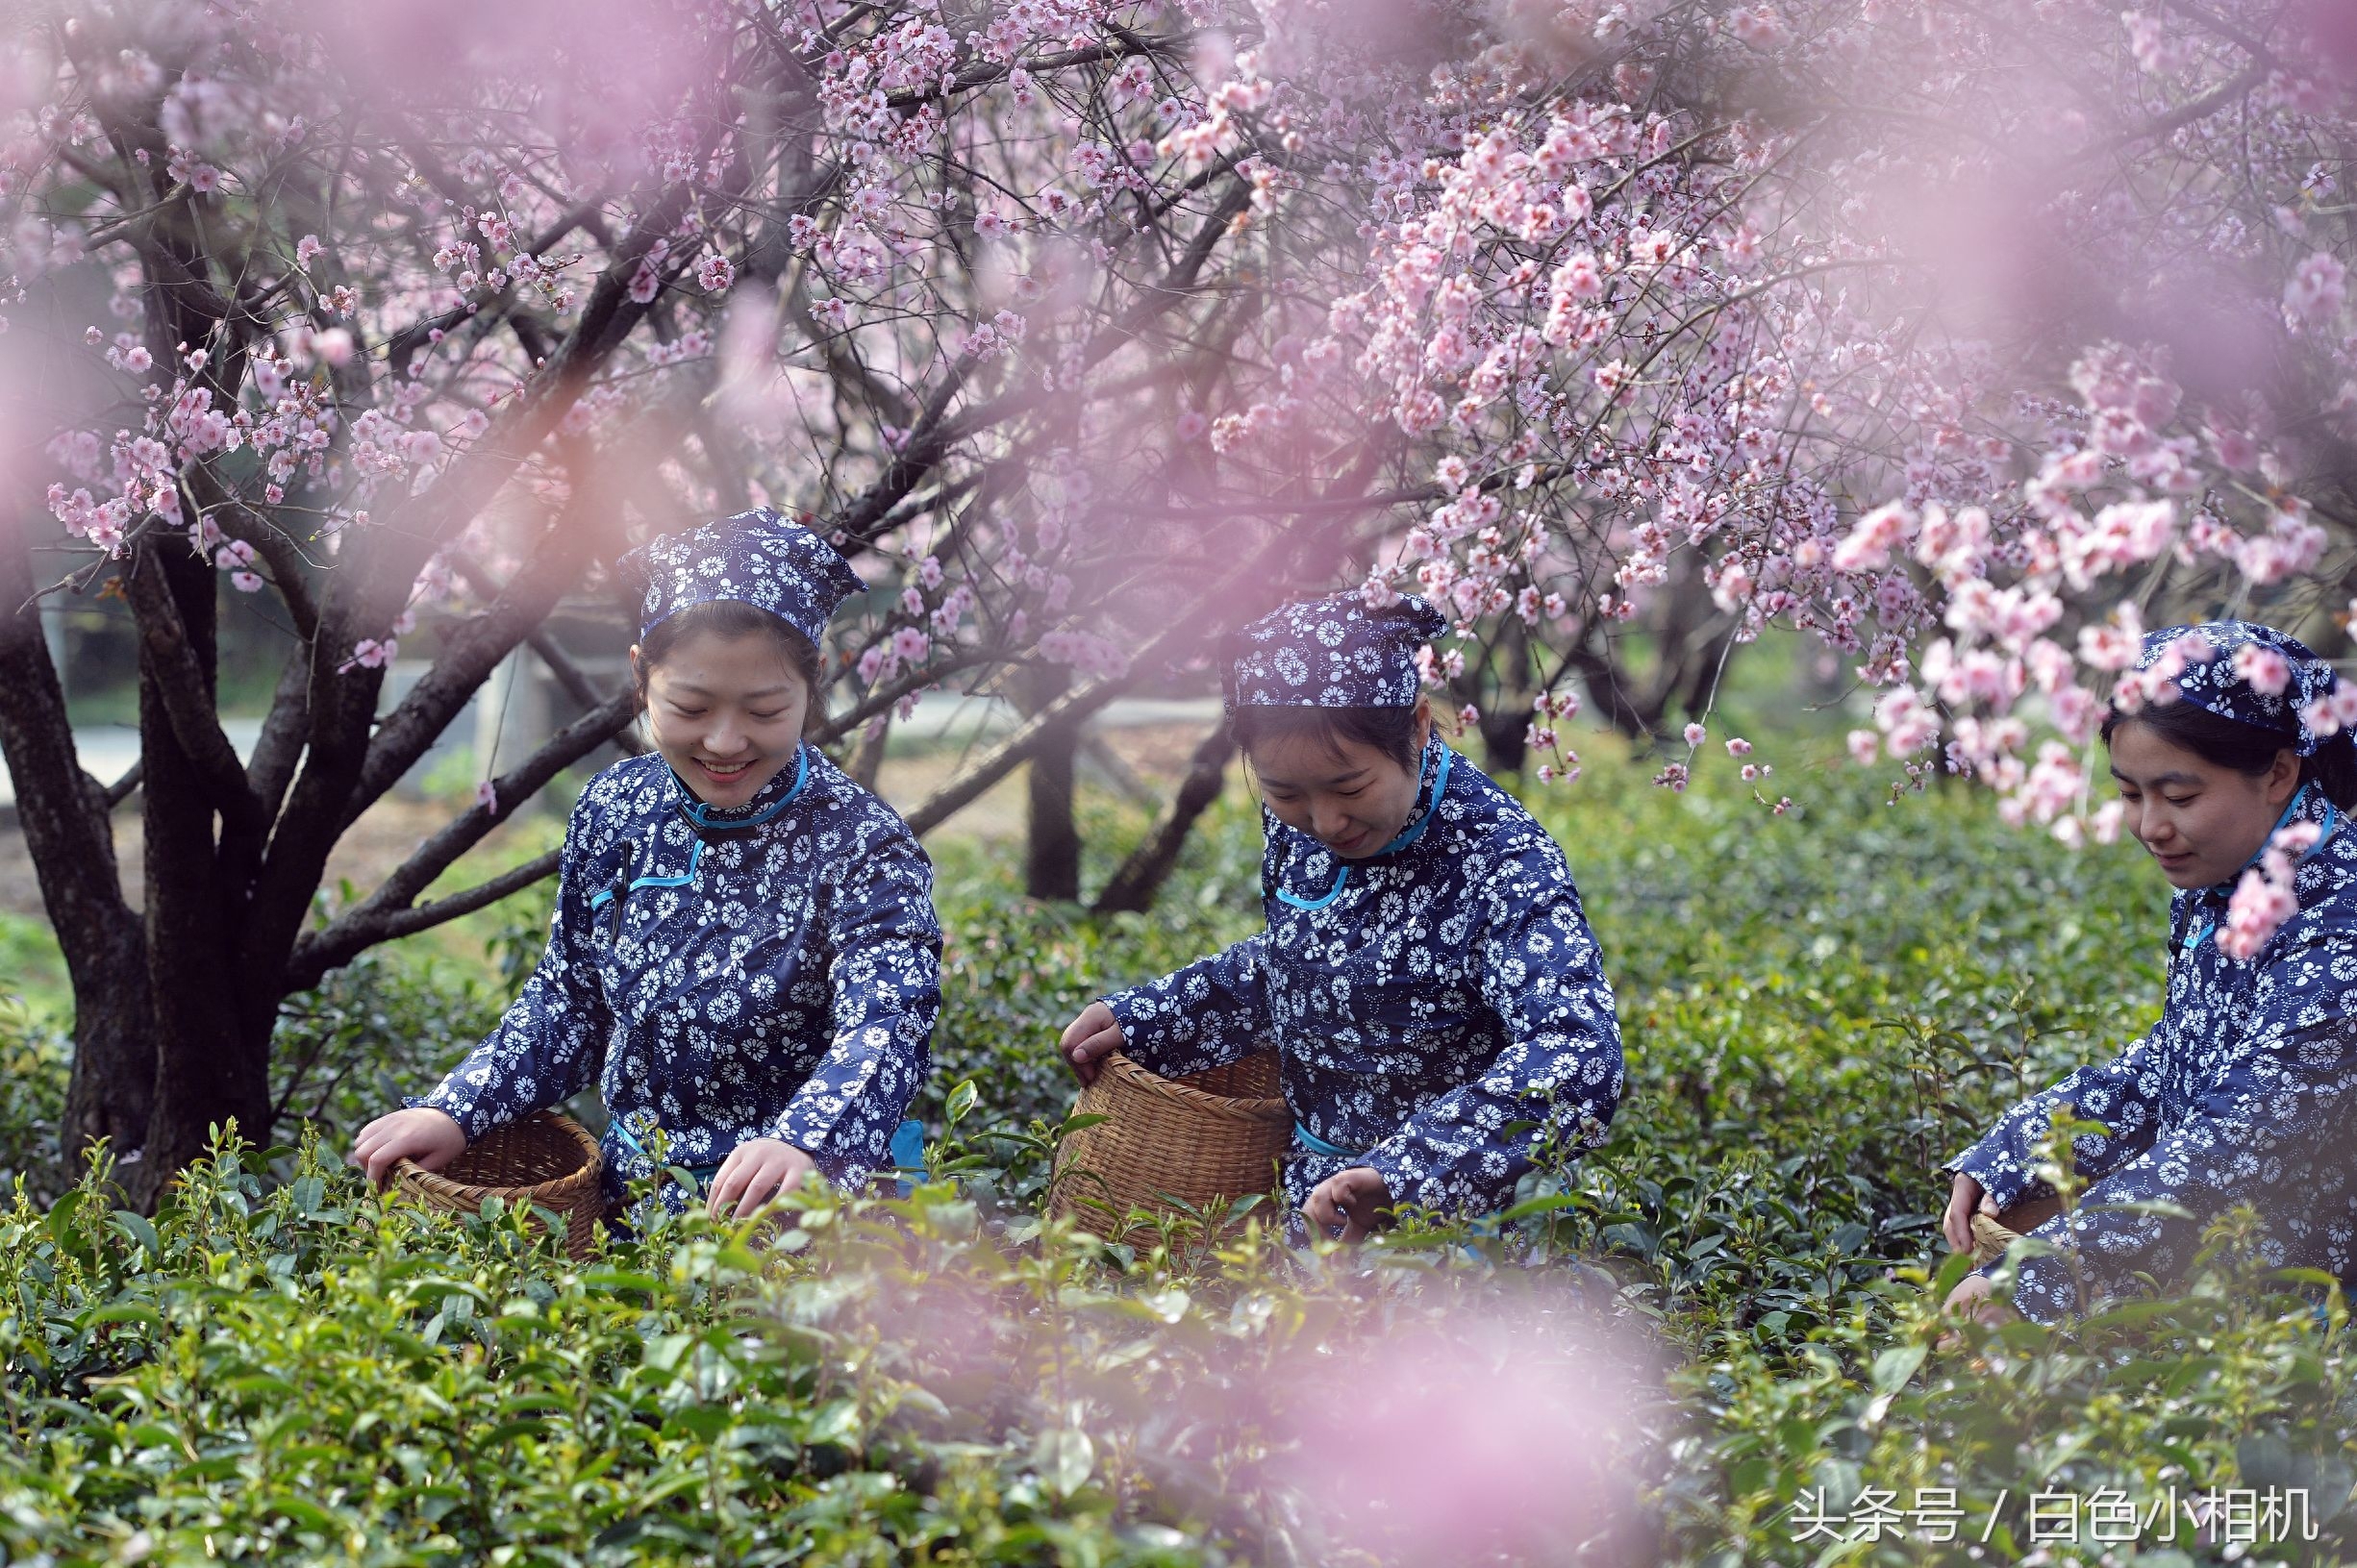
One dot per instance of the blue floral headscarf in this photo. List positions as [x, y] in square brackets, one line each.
[2233, 676]
[757, 557]
[1331, 653]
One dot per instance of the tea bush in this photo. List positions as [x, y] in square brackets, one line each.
[1709, 1343]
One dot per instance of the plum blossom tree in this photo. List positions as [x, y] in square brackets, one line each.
[407, 341]
[1970, 340]
[1967, 339]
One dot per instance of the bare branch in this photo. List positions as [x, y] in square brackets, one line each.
[472, 649]
[570, 676]
[359, 927]
[310, 960]
[1148, 866]
[1235, 596]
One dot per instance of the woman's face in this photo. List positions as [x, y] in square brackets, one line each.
[2202, 822]
[1345, 794]
[726, 713]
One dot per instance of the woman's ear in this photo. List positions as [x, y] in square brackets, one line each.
[2282, 778]
[1423, 724]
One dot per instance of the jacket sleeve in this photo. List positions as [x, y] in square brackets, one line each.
[1208, 1014]
[550, 1040]
[2265, 1131]
[2123, 1094]
[1562, 1064]
[886, 984]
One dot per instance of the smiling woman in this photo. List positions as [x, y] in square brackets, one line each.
[726, 686]
[743, 935]
[2237, 780]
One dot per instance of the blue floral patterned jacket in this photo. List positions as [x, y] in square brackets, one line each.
[2241, 1093]
[1421, 1000]
[775, 975]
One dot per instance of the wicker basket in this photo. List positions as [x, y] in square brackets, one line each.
[1989, 1239]
[1203, 1139]
[546, 1159]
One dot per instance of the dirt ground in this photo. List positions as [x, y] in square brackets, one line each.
[1155, 756]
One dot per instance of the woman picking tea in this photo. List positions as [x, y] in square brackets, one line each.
[744, 937]
[2244, 1091]
[1426, 977]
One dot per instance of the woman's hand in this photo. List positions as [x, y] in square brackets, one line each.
[1350, 1199]
[1972, 1299]
[1965, 1199]
[1090, 1038]
[430, 1137]
[756, 1171]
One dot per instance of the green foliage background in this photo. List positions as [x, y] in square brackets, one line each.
[1818, 1007]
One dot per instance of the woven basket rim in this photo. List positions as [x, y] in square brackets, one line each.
[1132, 1076]
[556, 1193]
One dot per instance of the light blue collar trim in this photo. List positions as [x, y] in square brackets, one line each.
[2292, 808]
[1318, 1146]
[1406, 836]
[700, 815]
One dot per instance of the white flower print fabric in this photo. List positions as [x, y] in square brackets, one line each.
[1451, 987]
[1335, 652]
[786, 988]
[2241, 1094]
[757, 557]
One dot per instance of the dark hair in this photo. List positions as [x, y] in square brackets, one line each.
[2247, 748]
[728, 619]
[1390, 731]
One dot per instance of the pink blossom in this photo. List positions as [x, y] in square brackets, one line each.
[306, 248]
[486, 796]
[2317, 289]
[2266, 896]
[1694, 734]
[1578, 278]
[1737, 746]
[2265, 669]
[2335, 711]
[645, 282]
[715, 275]
[1868, 545]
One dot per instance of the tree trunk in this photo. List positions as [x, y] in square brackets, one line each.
[1135, 885]
[868, 754]
[1505, 732]
[69, 833]
[1051, 848]
[212, 1061]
